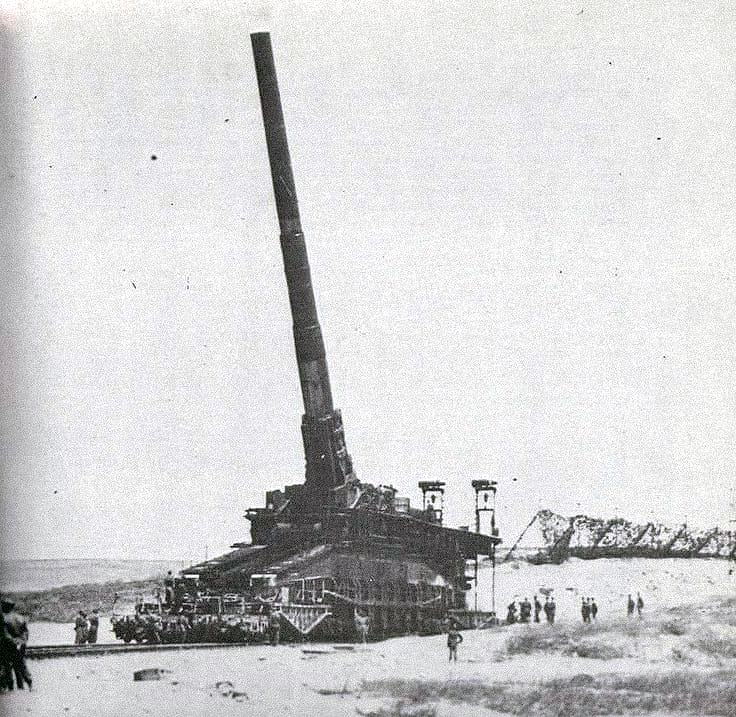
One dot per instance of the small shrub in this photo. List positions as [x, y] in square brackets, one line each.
[594, 650]
[674, 627]
[679, 655]
[714, 646]
[528, 641]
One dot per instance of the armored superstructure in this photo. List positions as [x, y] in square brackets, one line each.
[332, 557]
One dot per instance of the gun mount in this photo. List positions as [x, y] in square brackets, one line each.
[333, 556]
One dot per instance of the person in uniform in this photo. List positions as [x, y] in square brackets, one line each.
[630, 606]
[552, 610]
[16, 628]
[585, 610]
[168, 589]
[525, 610]
[639, 605]
[593, 609]
[362, 624]
[94, 626]
[6, 657]
[511, 613]
[274, 628]
[454, 638]
[80, 628]
[155, 629]
[537, 608]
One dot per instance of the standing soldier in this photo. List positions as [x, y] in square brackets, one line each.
[454, 638]
[639, 604]
[274, 627]
[547, 610]
[80, 628]
[6, 657]
[155, 629]
[362, 624]
[169, 589]
[630, 607]
[525, 610]
[94, 625]
[16, 628]
[593, 609]
[585, 610]
[552, 610]
[537, 608]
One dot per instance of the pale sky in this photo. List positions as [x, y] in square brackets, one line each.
[520, 223]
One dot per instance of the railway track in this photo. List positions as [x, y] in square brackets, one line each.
[45, 652]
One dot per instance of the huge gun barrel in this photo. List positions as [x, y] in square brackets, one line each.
[328, 464]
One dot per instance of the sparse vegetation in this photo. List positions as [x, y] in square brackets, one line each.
[581, 642]
[710, 629]
[674, 627]
[690, 692]
[714, 645]
[402, 708]
[595, 650]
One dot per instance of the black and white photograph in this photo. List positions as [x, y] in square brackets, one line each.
[367, 359]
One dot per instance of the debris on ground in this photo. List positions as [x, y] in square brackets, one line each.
[150, 673]
[227, 689]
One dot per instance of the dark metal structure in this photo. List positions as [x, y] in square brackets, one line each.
[332, 557]
[328, 464]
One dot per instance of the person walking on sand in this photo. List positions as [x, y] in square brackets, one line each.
[593, 609]
[454, 638]
[639, 605]
[94, 626]
[630, 607]
[16, 628]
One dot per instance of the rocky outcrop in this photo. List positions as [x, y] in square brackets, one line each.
[551, 537]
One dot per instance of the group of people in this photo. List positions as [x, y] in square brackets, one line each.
[85, 628]
[13, 641]
[589, 610]
[523, 613]
[638, 605]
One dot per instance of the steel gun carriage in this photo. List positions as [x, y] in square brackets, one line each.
[332, 558]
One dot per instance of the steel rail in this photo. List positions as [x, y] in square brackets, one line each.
[43, 652]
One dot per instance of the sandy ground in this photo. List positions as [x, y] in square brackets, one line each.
[281, 680]
[285, 680]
